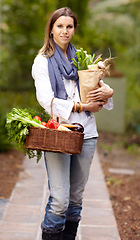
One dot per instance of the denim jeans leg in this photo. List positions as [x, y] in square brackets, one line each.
[79, 173]
[67, 177]
[58, 170]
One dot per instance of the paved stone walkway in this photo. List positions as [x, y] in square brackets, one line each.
[23, 213]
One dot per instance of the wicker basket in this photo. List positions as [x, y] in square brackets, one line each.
[52, 140]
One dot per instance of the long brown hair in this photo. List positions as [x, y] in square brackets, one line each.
[49, 47]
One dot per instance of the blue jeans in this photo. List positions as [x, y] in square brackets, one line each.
[67, 177]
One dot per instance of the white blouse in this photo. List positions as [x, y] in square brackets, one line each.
[62, 108]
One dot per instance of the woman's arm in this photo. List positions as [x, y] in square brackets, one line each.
[44, 93]
[102, 93]
[91, 106]
[61, 108]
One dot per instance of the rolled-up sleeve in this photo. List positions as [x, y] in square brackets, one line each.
[44, 93]
[109, 104]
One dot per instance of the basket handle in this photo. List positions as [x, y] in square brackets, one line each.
[52, 110]
[51, 107]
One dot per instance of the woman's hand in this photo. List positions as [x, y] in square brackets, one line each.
[93, 106]
[102, 93]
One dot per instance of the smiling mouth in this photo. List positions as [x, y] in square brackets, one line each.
[64, 37]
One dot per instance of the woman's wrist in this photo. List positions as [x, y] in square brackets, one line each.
[77, 107]
[84, 107]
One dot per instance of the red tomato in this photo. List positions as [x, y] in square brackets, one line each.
[37, 118]
[53, 124]
[44, 124]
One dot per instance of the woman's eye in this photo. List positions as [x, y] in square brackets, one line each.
[61, 26]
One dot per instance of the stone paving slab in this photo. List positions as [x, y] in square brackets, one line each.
[21, 218]
[98, 221]
[3, 204]
[121, 171]
[24, 212]
[98, 233]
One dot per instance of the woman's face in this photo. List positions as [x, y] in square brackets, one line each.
[63, 31]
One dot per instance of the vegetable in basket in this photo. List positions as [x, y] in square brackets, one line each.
[52, 124]
[79, 127]
[17, 123]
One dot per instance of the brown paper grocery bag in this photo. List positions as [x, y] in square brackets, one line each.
[88, 80]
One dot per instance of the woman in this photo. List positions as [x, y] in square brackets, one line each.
[56, 78]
